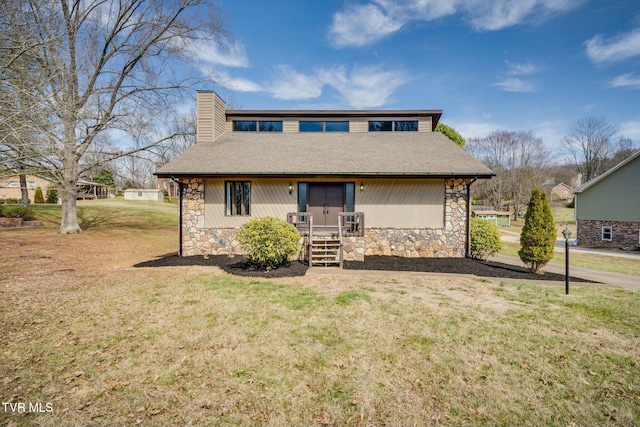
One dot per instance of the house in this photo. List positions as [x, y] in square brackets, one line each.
[561, 192]
[144, 194]
[607, 208]
[499, 218]
[355, 183]
[10, 186]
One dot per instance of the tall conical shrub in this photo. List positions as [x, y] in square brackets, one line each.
[538, 236]
[38, 197]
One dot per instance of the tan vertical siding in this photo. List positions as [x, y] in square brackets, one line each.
[402, 203]
[205, 106]
[220, 116]
[358, 125]
[425, 124]
[290, 126]
[269, 197]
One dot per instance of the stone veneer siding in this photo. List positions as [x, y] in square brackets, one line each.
[625, 234]
[448, 241]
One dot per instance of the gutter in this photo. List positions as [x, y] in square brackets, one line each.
[468, 230]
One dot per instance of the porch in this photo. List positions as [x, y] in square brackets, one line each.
[324, 244]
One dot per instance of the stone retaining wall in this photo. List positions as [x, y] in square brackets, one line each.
[625, 234]
[448, 241]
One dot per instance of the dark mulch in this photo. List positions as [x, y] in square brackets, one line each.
[238, 265]
[454, 265]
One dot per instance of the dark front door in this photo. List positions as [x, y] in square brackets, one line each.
[325, 201]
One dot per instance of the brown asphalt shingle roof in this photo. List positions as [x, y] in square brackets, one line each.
[369, 153]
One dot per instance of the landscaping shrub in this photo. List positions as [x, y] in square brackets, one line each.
[485, 239]
[17, 212]
[52, 194]
[538, 237]
[268, 242]
[38, 197]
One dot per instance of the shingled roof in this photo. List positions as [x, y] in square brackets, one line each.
[415, 154]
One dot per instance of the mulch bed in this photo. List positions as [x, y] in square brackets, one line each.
[238, 265]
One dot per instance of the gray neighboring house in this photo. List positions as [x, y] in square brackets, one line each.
[607, 208]
[355, 182]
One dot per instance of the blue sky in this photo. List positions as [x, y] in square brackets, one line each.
[534, 65]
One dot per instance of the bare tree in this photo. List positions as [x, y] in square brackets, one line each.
[100, 65]
[518, 159]
[589, 144]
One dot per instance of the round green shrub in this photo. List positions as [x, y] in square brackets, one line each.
[485, 239]
[268, 242]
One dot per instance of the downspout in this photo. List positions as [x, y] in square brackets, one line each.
[179, 215]
[468, 230]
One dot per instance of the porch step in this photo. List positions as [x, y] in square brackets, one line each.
[325, 252]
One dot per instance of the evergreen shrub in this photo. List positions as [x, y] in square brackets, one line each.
[26, 214]
[538, 237]
[268, 242]
[485, 239]
[52, 194]
[38, 197]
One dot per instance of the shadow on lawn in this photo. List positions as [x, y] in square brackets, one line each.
[239, 266]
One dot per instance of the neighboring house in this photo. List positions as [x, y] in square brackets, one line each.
[144, 194]
[607, 208]
[499, 218]
[355, 183]
[168, 186]
[10, 186]
[561, 192]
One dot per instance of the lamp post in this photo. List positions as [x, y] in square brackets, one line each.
[567, 235]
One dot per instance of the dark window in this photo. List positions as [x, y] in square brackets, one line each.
[607, 233]
[405, 126]
[320, 126]
[275, 126]
[302, 196]
[311, 126]
[336, 126]
[244, 125]
[380, 126]
[238, 198]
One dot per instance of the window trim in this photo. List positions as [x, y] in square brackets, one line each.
[610, 233]
[256, 125]
[229, 206]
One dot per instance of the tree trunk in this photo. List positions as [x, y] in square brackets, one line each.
[68, 196]
[24, 190]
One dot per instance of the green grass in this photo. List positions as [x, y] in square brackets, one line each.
[113, 214]
[288, 353]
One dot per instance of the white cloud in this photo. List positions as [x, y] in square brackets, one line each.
[514, 85]
[294, 85]
[362, 24]
[234, 83]
[625, 80]
[366, 23]
[615, 49]
[522, 69]
[631, 130]
[363, 87]
[225, 54]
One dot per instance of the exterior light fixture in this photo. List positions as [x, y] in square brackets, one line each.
[290, 188]
[362, 186]
[567, 235]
